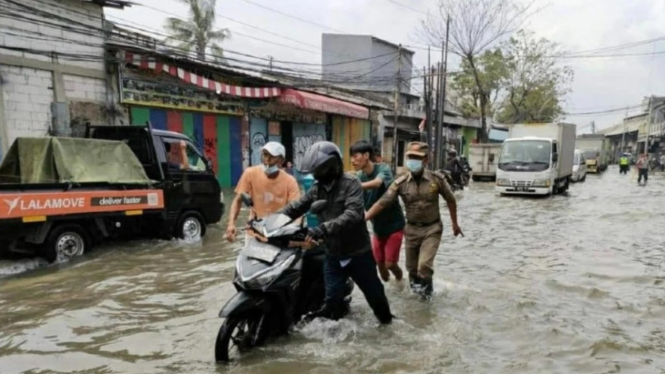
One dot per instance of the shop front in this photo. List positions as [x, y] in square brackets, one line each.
[211, 113]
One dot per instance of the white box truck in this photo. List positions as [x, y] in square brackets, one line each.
[483, 159]
[596, 151]
[536, 159]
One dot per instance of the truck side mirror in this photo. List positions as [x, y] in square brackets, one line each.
[247, 200]
[555, 157]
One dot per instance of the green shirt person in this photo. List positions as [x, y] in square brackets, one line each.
[389, 224]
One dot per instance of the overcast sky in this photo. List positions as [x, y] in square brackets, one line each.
[577, 25]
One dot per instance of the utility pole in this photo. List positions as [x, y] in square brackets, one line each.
[593, 127]
[443, 93]
[437, 121]
[441, 103]
[270, 63]
[426, 99]
[646, 141]
[623, 134]
[398, 82]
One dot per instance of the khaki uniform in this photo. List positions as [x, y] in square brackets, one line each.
[424, 227]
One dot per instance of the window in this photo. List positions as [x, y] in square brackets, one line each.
[176, 154]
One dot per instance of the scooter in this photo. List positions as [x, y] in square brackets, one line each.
[279, 279]
[451, 181]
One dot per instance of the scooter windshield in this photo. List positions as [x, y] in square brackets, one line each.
[275, 222]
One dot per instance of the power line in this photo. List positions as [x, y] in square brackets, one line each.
[294, 17]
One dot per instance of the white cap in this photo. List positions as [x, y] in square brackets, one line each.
[275, 149]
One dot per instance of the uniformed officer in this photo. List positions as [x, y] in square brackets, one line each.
[420, 189]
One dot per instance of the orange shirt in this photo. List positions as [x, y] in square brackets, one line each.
[269, 194]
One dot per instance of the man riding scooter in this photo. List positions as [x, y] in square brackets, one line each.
[345, 234]
[455, 167]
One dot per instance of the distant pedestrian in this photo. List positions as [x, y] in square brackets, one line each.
[643, 168]
[624, 164]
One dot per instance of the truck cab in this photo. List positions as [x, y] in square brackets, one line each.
[536, 159]
[192, 195]
[526, 166]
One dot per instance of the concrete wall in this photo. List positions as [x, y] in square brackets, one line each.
[373, 73]
[31, 80]
[47, 34]
[27, 95]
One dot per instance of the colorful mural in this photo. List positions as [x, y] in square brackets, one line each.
[304, 135]
[345, 132]
[219, 137]
[258, 137]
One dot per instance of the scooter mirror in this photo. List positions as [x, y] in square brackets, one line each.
[318, 206]
[246, 199]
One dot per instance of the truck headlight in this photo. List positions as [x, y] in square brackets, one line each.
[541, 183]
[503, 182]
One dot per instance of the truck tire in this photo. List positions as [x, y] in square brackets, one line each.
[191, 226]
[65, 242]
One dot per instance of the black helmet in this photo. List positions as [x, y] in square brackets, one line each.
[323, 160]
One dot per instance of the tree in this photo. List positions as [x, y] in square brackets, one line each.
[198, 32]
[535, 82]
[492, 72]
[475, 27]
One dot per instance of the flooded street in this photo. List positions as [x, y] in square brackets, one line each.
[567, 284]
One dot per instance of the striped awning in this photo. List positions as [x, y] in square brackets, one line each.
[146, 62]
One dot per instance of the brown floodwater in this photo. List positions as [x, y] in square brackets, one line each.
[572, 283]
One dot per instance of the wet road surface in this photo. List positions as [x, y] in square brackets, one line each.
[567, 284]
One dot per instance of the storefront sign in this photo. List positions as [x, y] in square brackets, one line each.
[172, 96]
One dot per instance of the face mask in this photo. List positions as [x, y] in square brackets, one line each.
[414, 165]
[270, 169]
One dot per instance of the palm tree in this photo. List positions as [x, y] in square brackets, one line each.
[198, 32]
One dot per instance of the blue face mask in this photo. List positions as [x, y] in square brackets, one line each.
[270, 169]
[414, 165]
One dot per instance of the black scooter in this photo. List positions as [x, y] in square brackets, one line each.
[279, 279]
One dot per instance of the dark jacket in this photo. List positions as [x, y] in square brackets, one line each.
[343, 218]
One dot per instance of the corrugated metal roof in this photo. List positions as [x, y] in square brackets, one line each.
[620, 129]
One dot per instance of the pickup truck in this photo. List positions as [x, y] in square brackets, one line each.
[61, 196]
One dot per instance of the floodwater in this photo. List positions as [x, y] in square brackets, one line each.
[567, 284]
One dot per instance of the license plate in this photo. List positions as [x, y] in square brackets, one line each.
[521, 189]
[260, 251]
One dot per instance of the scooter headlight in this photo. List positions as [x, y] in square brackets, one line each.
[269, 275]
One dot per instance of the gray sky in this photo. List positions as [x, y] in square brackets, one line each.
[577, 25]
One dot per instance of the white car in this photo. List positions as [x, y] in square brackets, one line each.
[579, 167]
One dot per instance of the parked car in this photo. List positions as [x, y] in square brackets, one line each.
[579, 167]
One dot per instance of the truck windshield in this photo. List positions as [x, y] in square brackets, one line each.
[590, 154]
[525, 155]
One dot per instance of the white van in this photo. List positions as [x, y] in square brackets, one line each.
[579, 167]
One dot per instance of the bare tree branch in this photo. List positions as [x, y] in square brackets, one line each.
[475, 27]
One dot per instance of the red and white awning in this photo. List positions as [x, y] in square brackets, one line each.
[322, 103]
[145, 62]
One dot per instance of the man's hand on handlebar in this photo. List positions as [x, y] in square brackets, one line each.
[314, 234]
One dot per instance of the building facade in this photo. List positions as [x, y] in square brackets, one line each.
[52, 68]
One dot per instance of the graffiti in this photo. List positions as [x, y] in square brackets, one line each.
[300, 146]
[258, 141]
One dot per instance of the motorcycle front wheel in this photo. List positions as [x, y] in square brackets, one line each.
[237, 336]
